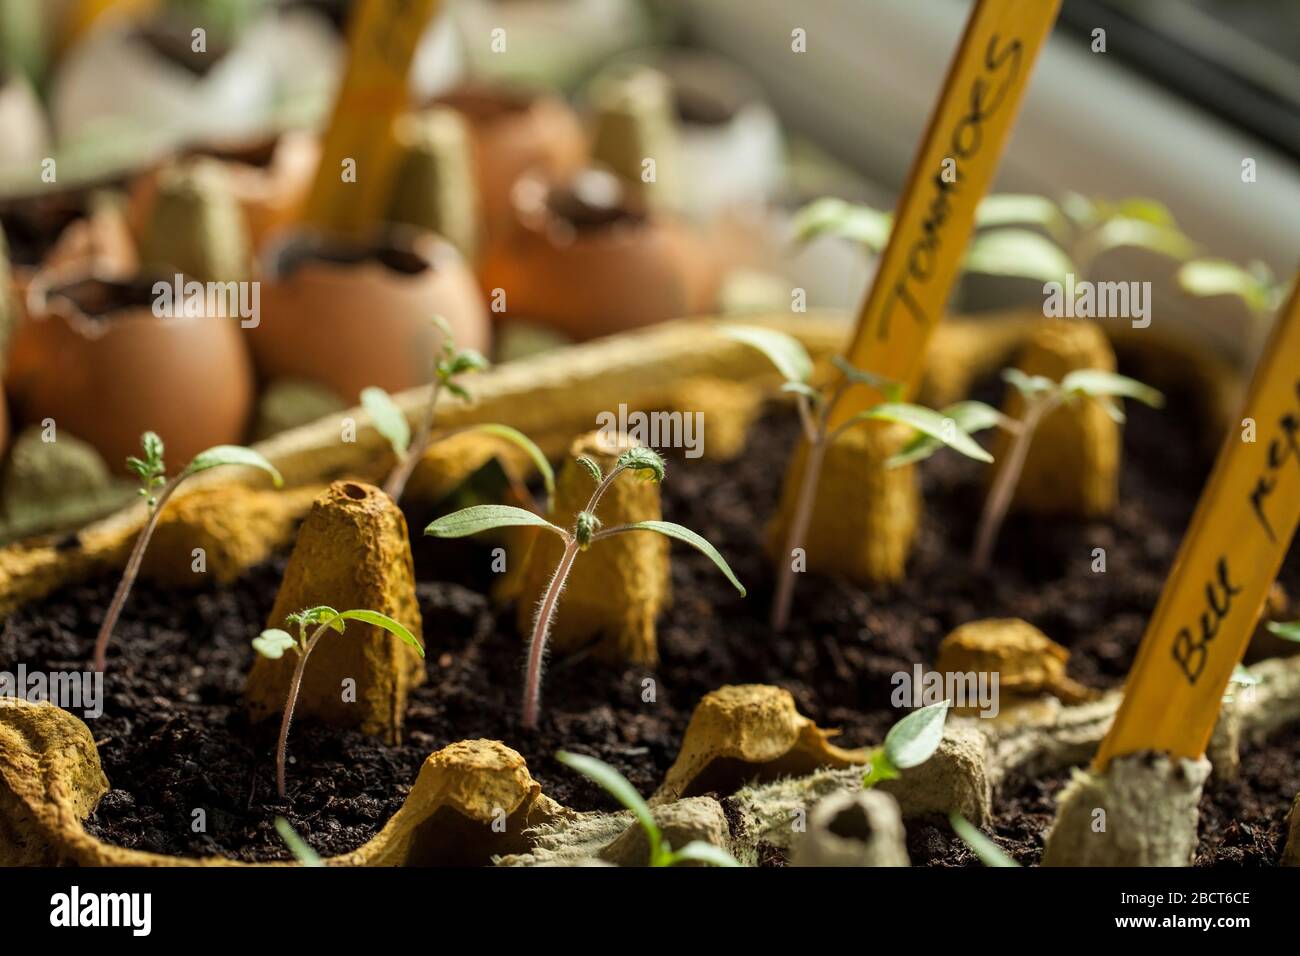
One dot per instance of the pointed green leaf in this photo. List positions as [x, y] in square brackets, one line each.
[1018, 253]
[1126, 231]
[969, 416]
[467, 360]
[317, 615]
[799, 388]
[670, 530]
[467, 521]
[932, 423]
[988, 852]
[1021, 209]
[617, 786]
[1027, 385]
[642, 460]
[891, 389]
[448, 344]
[915, 738]
[1211, 277]
[590, 466]
[393, 627]
[835, 217]
[1095, 382]
[153, 448]
[700, 851]
[303, 853]
[784, 351]
[516, 437]
[389, 420]
[273, 642]
[1288, 631]
[232, 455]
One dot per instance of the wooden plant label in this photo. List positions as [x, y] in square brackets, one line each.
[1226, 564]
[358, 149]
[951, 174]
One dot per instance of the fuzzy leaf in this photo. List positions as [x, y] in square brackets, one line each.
[232, 455]
[273, 642]
[1288, 631]
[516, 437]
[590, 466]
[153, 448]
[914, 739]
[641, 460]
[929, 422]
[988, 852]
[676, 531]
[617, 786]
[467, 521]
[1095, 382]
[1018, 253]
[835, 217]
[969, 416]
[891, 389]
[393, 627]
[317, 615]
[388, 419]
[700, 851]
[784, 351]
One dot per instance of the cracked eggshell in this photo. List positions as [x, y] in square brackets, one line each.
[354, 313]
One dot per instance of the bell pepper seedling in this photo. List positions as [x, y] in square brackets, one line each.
[617, 786]
[815, 404]
[585, 532]
[156, 488]
[910, 742]
[273, 642]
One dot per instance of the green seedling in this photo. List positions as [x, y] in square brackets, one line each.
[301, 851]
[910, 742]
[156, 488]
[1022, 236]
[988, 852]
[1255, 285]
[1288, 630]
[312, 624]
[1042, 396]
[617, 786]
[389, 420]
[815, 404]
[585, 532]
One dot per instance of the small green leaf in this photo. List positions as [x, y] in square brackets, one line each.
[929, 422]
[585, 526]
[320, 614]
[590, 466]
[393, 627]
[1145, 210]
[273, 642]
[700, 851]
[460, 391]
[800, 388]
[1288, 631]
[988, 852]
[670, 530]
[467, 521]
[879, 769]
[1027, 385]
[516, 437]
[617, 786]
[1021, 209]
[891, 389]
[644, 461]
[388, 419]
[835, 217]
[467, 360]
[1095, 382]
[969, 416]
[1211, 277]
[448, 344]
[1018, 253]
[303, 853]
[784, 351]
[153, 448]
[232, 455]
[914, 739]
[1127, 231]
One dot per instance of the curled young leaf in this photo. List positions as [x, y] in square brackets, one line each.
[800, 388]
[590, 466]
[1018, 253]
[516, 437]
[396, 628]
[1211, 277]
[153, 449]
[467, 521]
[915, 738]
[1126, 230]
[835, 217]
[448, 344]
[320, 614]
[1100, 384]
[467, 360]
[784, 351]
[1022, 209]
[273, 642]
[388, 419]
[644, 461]
[617, 786]
[1027, 385]
[988, 852]
[891, 389]
[680, 533]
[232, 455]
[969, 416]
[585, 527]
[934, 424]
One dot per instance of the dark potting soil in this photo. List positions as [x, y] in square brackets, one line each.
[173, 739]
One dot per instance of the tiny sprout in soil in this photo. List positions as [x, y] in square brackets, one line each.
[272, 643]
[156, 488]
[301, 851]
[910, 742]
[617, 786]
[984, 848]
[585, 532]
[815, 406]
[1042, 396]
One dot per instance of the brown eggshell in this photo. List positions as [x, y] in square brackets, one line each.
[352, 313]
[269, 178]
[515, 132]
[91, 355]
[586, 261]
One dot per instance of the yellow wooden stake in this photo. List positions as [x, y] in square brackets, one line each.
[1226, 564]
[358, 152]
[952, 172]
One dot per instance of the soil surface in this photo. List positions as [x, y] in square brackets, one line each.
[173, 738]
